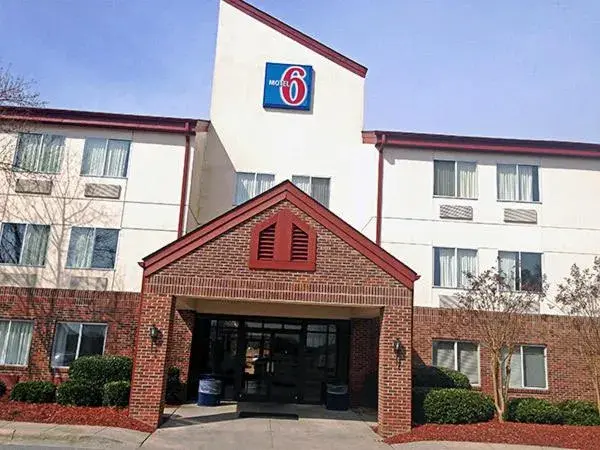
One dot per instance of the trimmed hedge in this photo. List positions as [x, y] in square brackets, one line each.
[439, 377]
[116, 393]
[2, 388]
[575, 412]
[100, 370]
[78, 393]
[457, 406]
[533, 410]
[34, 392]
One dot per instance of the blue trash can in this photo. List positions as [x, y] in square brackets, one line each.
[209, 391]
[337, 398]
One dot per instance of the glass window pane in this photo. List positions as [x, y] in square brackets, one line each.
[443, 354]
[11, 243]
[531, 271]
[302, 182]
[467, 264]
[444, 178]
[51, 153]
[27, 152]
[444, 267]
[468, 360]
[92, 340]
[245, 187]
[36, 244]
[94, 156]
[507, 267]
[536, 184]
[116, 158]
[317, 327]
[507, 182]
[320, 190]
[467, 180]
[65, 344]
[264, 182]
[525, 183]
[105, 248]
[19, 340]
[515, 368]
[81, 247]
[3, 337]
[535, 367]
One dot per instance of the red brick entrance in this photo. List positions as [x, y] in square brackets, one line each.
[242, 257]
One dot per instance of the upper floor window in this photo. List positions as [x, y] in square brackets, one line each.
[105, 157]
[455, 179]
[15, 340]
[249, 185]
[523, 271]
[40, 153]
[528, 367]
[460, 356]
[518, 182]
[92, 248]
[75, 339]
[24, 244]
[317, 188]
[451, 266]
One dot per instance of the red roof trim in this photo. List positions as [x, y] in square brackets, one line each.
[283, 191]
[482, 144]
[70, 117]
[299, 37]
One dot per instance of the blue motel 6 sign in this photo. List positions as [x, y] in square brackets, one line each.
[288, 86]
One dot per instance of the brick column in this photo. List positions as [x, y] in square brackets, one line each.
[180, 345]
[395, 383]
[363, 356]
[146, 402]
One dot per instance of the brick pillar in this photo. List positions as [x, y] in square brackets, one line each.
[180, 345]
[363, 356]
[395, 383]
[146, 402]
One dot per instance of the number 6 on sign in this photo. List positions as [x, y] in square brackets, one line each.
[288, 86]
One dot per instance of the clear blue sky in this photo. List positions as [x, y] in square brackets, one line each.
[515, 68]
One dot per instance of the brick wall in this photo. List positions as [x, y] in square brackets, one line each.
[178, 353]
[46, 307]
[567, 376]
[364, 357]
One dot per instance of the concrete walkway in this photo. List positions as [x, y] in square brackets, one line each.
[434, 445]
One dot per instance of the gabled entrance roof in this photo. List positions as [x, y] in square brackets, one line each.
[285, 191]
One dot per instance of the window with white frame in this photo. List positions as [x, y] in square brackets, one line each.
[527, 367]
[522, 270]
[92, 248]
[452, 265]
[24, 244]
[15, 341]
[518, 182]
[317, 188]
[457, 355]
[40, 153]
[105, 157]
[249, 185]
[455, 179]
[75, 339]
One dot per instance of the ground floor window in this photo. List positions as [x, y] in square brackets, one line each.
[15, 340]
[457, 355]
[528, 367]
[75, 339]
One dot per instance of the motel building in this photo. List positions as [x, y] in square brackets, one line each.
[277, 243]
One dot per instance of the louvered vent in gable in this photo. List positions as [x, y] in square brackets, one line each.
[283, 242]
[266, 243]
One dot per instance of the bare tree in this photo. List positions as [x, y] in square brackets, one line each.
[498, 314]
[579, 297]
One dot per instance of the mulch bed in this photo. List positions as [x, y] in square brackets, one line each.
[566, 436]
[69, 415]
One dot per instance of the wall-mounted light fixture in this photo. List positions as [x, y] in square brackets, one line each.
[154, 333]
[398, 349]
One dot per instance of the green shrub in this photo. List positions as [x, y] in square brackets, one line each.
[100, 370]
[174, 386]
[78, 393]
[457, 406]
[34, 392]
[2, 388]
[439, 377]
[418, 398]
[533, 410]
[575, 412]
[116, 393]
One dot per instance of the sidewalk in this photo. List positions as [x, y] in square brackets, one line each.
[69, 435]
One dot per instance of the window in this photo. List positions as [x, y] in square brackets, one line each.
[461, 356]
[317, 188]
[74, 339]
[92, 248]
[455, 179]
[528, 367]
[451, 266]
[24, 244]
[39, 153]
[249, 185]
[523, 271]
[105, 157]
[15, 340]
[518, 182]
